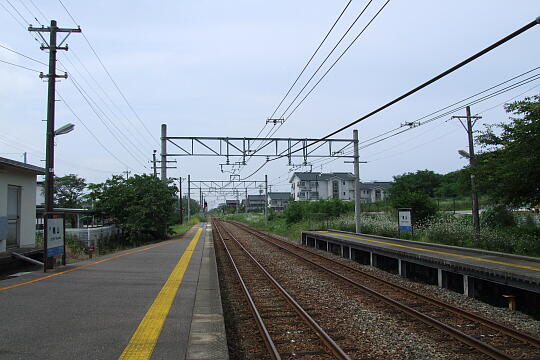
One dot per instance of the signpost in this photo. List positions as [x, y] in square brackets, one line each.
[405, 220]
[54, 240]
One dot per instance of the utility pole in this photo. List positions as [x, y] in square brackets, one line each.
[265, 199]
[180, 200]
[356, 161]
[472, 163]
[154, 163]
[200, 197]
[24, 156]
[51, 77]
[127, 172]
[246, 203]
[164, 152]
[188, 197]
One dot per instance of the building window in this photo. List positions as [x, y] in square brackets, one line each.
[344, 193]
[335, 189]
[344, 183]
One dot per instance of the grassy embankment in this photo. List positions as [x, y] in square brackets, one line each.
[442, 229]
[180, 229]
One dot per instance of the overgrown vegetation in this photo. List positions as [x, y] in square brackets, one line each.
[142, 206]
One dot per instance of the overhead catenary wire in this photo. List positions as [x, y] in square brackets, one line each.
[311, 58]
[421, 86]
[418, 122]
[274, 129]
[331, 67]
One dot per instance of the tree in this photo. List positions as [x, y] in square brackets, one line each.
[508, 167]
[422, 181]
[143, 206]
[68, 191]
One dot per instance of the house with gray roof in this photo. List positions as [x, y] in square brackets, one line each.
[278, 200]
[311, 186]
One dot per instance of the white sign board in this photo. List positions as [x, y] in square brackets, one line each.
[55, 237]
[405, 219]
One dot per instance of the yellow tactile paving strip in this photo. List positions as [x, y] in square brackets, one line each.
[434, 251]
[144, 339]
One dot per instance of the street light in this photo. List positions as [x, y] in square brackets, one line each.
[64, 129]
[49, 183]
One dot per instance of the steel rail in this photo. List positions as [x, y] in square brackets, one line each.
[272, 350]
[325, 338]
[458, 335]
[518, 335]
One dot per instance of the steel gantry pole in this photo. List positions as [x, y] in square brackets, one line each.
[265, 199]
[246, 203]
[180, 200]
[188, 197]
[164, 152]
[154, 163]
[356, 183]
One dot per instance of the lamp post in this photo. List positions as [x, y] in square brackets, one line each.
[49, 182]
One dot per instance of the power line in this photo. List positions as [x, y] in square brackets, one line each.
[127, 138]
[25, 56]
[103, 122]
[91, 133]
[425, 84]
[128, 128]
[20, 66]
[110, 76]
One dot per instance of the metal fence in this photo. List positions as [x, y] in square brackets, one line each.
[90, 236]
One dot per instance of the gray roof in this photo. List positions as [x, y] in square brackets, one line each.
[232, 202]
[279, 195]
[255, 197]
[8, 163]
[314, 176]
[385, 185]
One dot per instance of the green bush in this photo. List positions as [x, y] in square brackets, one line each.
[303, 210]
[497, 216]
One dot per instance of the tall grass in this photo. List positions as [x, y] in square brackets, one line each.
[443, 229]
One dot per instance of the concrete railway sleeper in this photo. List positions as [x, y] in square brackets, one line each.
[264, 292]
[429, 310]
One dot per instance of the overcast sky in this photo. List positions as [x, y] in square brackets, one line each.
[219, 68]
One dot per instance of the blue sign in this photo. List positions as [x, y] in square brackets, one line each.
[405, 228]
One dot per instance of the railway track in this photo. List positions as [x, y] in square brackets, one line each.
[288, 331]
[488, 337]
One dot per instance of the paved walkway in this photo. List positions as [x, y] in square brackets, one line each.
[136, 304]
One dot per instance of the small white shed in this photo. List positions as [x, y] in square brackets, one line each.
[18, 204]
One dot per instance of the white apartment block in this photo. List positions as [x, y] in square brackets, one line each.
[311, 186]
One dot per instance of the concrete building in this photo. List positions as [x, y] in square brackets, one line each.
[17, 204]
[308, 186]
[278, 200]
[311, 186]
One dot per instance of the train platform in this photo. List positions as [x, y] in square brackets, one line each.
[159, 301]
[476, 273]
